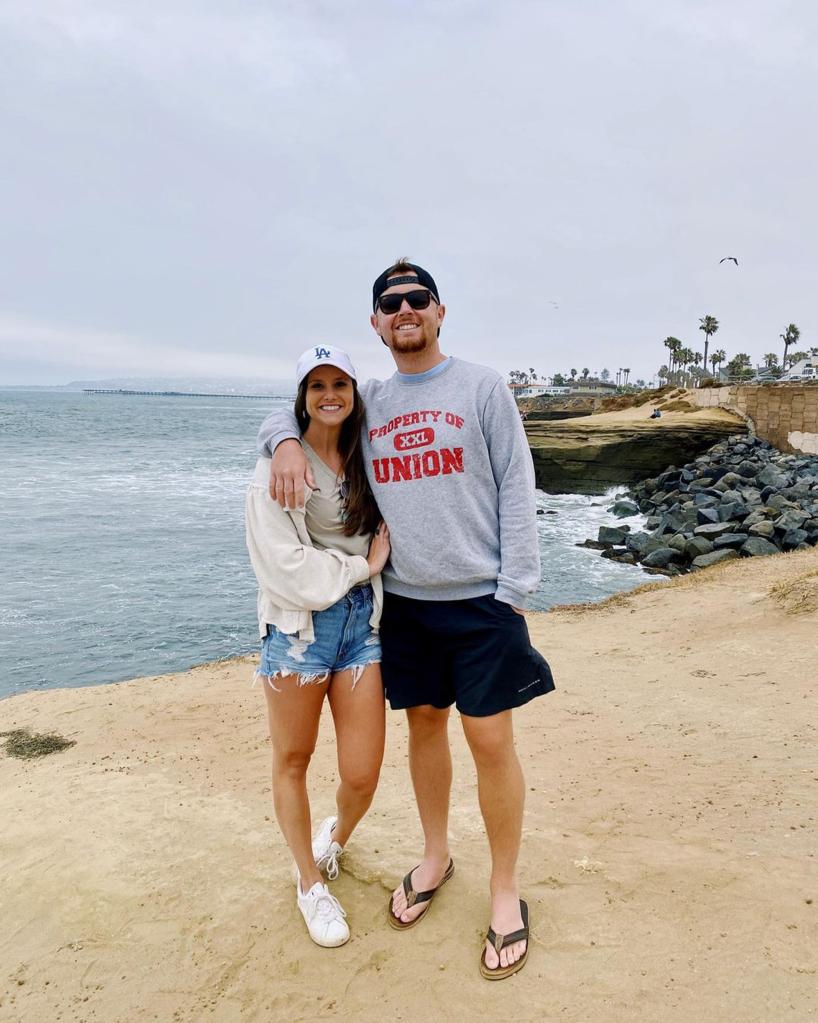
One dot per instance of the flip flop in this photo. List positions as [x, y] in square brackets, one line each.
[500, 941]
[413, 898]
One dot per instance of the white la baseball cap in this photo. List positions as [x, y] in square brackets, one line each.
[323, 355]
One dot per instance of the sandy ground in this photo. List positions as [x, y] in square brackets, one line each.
[669, 849]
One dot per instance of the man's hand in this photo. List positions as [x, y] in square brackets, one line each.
[519, 610]
[289, 473]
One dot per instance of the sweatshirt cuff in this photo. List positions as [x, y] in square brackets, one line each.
[269, 442]
[359, 568]
[513, 597]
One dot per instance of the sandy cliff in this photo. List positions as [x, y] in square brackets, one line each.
[590, 454]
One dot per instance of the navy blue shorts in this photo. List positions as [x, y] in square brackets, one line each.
[475, 653]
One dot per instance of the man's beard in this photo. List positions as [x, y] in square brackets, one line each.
[407, 345]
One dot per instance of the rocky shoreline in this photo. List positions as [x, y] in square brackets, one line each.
[742, 498]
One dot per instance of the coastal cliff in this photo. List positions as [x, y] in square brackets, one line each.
[588, 455]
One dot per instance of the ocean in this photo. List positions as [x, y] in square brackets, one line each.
[122, 524]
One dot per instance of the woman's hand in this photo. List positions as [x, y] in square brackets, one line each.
[379, 549]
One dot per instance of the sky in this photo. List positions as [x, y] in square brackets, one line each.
[195, 188]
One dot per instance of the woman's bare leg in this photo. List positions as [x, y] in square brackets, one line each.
[359, 733]
[294, 713]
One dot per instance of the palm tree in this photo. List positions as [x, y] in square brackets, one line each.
[573, 374]
[664, 373]
[533, 374]
[673, 345]
[740, 366]
[771, 360]
[717, 358]
[627, 372]
[585, 373]
[789, 337]
[709, 324]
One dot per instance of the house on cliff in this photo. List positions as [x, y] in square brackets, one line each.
[804, 369]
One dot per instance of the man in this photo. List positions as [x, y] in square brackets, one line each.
[449, 465]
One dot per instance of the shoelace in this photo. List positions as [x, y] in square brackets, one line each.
[327, 907]
[332, 863]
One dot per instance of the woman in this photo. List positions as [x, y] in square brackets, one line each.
[319, 604]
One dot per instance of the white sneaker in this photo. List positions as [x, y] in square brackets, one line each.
[325, 849]
[323, 915]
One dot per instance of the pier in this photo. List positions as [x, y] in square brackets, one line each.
[182, 394]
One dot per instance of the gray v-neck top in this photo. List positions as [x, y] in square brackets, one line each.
[324, 511]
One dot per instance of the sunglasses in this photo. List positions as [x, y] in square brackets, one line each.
[417, 300]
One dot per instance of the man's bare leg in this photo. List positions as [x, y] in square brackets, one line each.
[501, 791]
[430, 763]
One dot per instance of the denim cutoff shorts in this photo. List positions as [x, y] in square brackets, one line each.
[344, 640]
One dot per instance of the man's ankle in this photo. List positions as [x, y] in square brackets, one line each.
[439, 856]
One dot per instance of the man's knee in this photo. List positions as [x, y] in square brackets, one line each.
[427, 720]
[490, 739]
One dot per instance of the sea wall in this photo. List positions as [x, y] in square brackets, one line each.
[786, 415]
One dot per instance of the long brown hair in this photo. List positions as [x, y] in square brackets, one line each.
[361, 513]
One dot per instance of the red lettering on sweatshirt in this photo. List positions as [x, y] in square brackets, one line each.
[416, 439]
[409, 419]
[416, 466]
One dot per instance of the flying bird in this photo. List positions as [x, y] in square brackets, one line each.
[728, 259]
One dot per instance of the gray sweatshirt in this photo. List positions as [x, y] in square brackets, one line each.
[449, 465]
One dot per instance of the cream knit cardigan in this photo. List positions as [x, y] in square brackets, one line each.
[295, 578]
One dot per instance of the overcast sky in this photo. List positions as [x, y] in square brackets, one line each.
[209, 188]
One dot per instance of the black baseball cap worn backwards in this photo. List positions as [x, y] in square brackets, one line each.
[387, 280]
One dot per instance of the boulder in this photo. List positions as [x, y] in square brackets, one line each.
[781, 503]
[678, 542]
[706, 560]
[660, 558]
[771, 477]
[623, 508]
[734, 540]
[710, 530]
[763, 529]
[671, 522]
[793, 539]
[790, 519]
[750, 496]
[613, 535]
[637, 542]
[707, 515]
[697, 546]
[757, 546]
